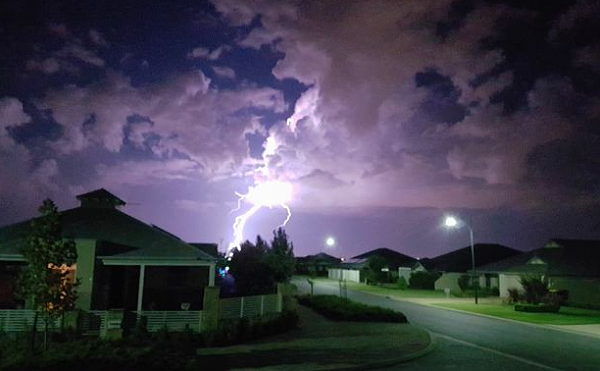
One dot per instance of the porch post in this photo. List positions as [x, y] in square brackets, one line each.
[141, 287]
[211, 274]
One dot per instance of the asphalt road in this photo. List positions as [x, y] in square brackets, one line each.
[471, 342]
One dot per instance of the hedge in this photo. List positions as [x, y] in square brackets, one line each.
[341, 309]
[537, 308]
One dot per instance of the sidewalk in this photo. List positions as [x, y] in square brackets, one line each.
[321, 344]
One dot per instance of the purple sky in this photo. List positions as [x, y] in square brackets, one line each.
[383, 115]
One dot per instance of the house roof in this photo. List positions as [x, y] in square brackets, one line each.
[393, 258]
[319, 258]
[558, 257]
[460, 260]
[121, 236]
[100, 198]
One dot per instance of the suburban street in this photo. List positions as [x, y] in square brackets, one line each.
[471, 342]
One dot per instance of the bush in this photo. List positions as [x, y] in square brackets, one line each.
[342, 309]
[402, 284]
[535, 288]
[423, 280]
[537, 308]
[514, 295]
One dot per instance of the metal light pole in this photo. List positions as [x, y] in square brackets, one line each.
[452, 222]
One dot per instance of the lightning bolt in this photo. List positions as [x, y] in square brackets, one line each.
[265, 194]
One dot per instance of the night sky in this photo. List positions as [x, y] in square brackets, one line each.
[385, 116]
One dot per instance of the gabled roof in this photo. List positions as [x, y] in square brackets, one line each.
[319, 258]
[558, 257]
[100, 198]
[393, 258]
[121, 236]
[460, 260]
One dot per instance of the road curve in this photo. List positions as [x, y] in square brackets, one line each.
[523, 346]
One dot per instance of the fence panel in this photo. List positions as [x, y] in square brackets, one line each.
[249, 306]
[171, 320]
[18, 320]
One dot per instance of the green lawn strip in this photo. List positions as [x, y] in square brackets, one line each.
[566, 315]
[323, 343]
[385, 291]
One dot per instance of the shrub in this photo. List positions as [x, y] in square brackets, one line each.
[423, 280]
[514, 295]
[342, 309]
[402, 284]
[556, 297]
[537, 308]
[535, 288]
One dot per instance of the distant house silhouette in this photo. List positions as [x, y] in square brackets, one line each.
[456, 263]
[316, 264]
[122, 261]
[352, 268]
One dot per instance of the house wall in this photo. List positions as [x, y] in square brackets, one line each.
[582, 292]
[507, 281]
[86, 255]
[405, 272]
[448, 280]
[352, 275]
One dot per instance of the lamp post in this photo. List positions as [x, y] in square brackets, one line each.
[452, 222]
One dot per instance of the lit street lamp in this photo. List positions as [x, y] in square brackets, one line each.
[452, 222]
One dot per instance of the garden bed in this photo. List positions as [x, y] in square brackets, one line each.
[341, 309]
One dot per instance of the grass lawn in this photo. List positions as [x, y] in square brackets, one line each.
[566, 315]
[386, 291]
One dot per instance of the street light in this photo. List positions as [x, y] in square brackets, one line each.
[452, 222]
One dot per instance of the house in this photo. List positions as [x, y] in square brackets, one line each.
[456, 263]
[395, 261]
[572, 265]
[122, 262]
[317, 264]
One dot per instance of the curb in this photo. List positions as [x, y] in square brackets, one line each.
[403, 359]
[547, 327]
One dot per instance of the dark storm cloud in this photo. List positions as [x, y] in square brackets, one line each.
[423, 104]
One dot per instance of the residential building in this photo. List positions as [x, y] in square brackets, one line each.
[571, 265]
[122, 262]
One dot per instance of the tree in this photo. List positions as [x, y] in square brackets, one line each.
[46, 281]
[281, 256]
[535, 288]
[252, 273]
[257, 268]
[374, 269]
[422, 280]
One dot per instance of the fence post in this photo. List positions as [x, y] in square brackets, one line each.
[242, 307]
[286, 299]
[210, 308]
[262, 305]
[113, 325]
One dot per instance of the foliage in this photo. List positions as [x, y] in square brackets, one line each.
[45, 281]
[514, 295]
[535, 288]
[342, 309]
[537, 308]
[423, 280]
[402, 284]
[257, 267]
[249, 266]
[467, 282]
[281, 256]
[373, 270]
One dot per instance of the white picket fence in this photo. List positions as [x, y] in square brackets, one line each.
[95, 321]
[19, 320]
[171, 320]
[250, 306]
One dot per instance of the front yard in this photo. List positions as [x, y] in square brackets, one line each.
[566, 315]
[389, 290]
